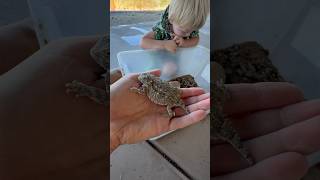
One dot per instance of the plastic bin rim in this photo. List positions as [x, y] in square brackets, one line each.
[154, 50]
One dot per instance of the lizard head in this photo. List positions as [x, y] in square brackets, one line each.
[146, 78]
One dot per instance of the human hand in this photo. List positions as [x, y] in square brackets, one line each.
[46, 133]
[170, 45]
[278, 127]
[179, 41]
[134, 118]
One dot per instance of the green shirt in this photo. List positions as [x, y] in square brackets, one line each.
[163, 29]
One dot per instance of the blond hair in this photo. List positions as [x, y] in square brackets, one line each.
[189, 13]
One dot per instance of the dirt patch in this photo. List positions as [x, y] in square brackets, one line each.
[247, 62]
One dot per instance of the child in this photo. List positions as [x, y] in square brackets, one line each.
[178, 26]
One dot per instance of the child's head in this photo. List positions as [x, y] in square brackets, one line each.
[188, 15]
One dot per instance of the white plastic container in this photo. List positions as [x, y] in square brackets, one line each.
[191, 61]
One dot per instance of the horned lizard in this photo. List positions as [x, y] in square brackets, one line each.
[186, 81]
[160, 92]
[100, 53]
[220, 127]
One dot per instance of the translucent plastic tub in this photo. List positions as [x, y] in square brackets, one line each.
[194, 61]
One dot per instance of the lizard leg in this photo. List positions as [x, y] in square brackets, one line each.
[229, 134]
[171, 113]
[183, 106]
[139, 90]
[80, 89]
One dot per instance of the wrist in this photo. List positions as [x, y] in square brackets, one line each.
[114, 123]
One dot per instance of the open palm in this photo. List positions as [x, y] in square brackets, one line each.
[276, 124]
[134, 118]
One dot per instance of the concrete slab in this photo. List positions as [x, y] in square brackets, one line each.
[190, 149]
[141, 162]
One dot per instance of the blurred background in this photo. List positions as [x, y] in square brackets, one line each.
[13, 10]
[289, 29]
[290, 33]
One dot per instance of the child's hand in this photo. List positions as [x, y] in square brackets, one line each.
[179, 41]
[170, 45]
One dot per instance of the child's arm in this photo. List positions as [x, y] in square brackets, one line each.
[186, 42]
[148, 42]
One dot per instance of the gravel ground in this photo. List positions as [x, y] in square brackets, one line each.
[121, 18]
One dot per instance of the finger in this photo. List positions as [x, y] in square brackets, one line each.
[188, 92]
[115, 74]
[156, 72]
[184, 121]
[195, 99]
[300, 137]
[265, 122]
[201, 105]
[289, 166]
[252, 97]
